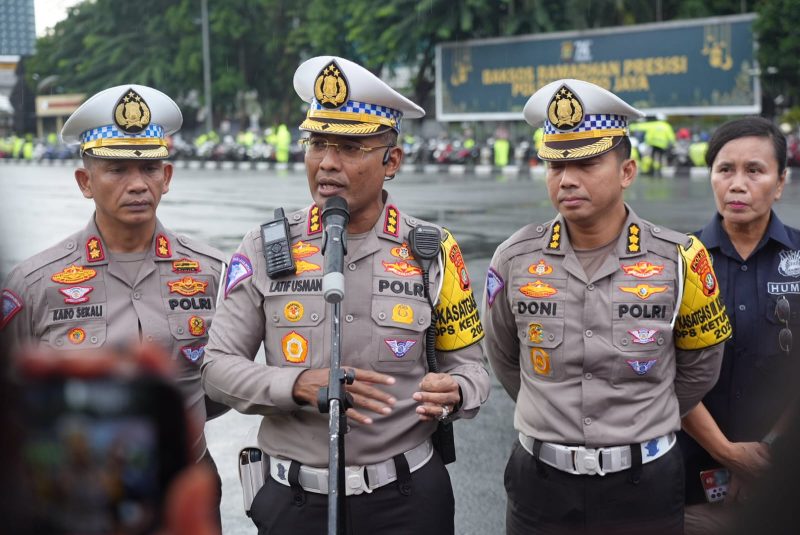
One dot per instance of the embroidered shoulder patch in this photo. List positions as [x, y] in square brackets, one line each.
[239, 269]
[11, 305]
[494, 285]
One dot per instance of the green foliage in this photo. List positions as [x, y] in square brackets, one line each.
[257, 44]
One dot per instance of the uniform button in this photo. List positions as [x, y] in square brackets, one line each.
[93, 339]
[587, 376]
[351, 267]
[182, 239]
[624, 341]
[180, 330]
[137, 295]
[590, 287]
[656, 229]
[381, 316]
[149, 337]
[540, 229]
[296, 217]
[314, 316]
[744, 267]
[742, 307]
[588, 333]
[587, 421]
[412, 221]
[738, 394]
[349, 318]
[275, 319]
[660, 341]
[59, 342]
[71, 245]
[551, 337]
[421, 321]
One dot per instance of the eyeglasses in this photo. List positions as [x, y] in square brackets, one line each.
[349, 151]
[782, 313]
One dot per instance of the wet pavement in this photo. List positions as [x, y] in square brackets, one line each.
[42, 205]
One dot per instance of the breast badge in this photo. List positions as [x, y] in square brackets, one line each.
[540, 359]
[641, 367]
[11, 305]
[163, 247]
[789, 265]
[73, 275]
[643, 291]
[197, 326]
[540, 268]
[295, 348]
[193, 353]
[302, 249]
[565, 111]
[642, 270]
[643, 336]
[185, 265]
[76, 294]
[535, 333]
[403, 314]
[76, 335]
[293, 311]
[538, 289]
[187, 286]
[400, 347]
[402, 252]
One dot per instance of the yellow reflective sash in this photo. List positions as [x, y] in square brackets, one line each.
[702, 321]
[458, 324]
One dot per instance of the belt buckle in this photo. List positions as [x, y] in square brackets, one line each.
[587, 461]
[354, 480]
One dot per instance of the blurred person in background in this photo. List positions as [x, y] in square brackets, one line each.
[756, 257]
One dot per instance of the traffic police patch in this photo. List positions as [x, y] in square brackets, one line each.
[494, 284]
[643, 291]
[295, 347]
[642, 270]
[94, 250]
[193, 353]
[76, 294]
[538, 289]
[239, 269]
[11, 305]
[187, 286]
[400, 347]
[641, 367]
[73, 275]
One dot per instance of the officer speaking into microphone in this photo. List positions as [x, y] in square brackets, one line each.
[393, 290]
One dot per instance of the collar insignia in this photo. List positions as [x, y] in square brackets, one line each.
[390, 221]
[314, 226]
[555, 237]
[330, 88]
[565, 111]
[400, 347]
[642, 270]
[302, 249]
[11, 305]
[295, 347]
[633, 238]
[76, 294]
[790, 264]
[402, 252]
[301, 266]
[193, 354]
[73, 275]
[187, 286]
[538, 289]
[185, 265]
[702, 266]
[163, 247]
[643, 336]
[94, 250]
[643, 291]
[540, 268]
[641, 367]
[131, 114]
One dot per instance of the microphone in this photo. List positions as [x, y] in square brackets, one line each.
[335, 216]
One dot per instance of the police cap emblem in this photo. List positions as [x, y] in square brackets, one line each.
[131, 113]
[330, 88]
[565, 110]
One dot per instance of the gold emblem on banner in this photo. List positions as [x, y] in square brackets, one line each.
[565, 111]
[132, 114]
[330, 88]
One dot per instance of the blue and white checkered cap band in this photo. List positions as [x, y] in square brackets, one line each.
[354, 106]
[592, 122]
[112, 132]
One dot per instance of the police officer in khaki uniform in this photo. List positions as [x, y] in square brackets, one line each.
[124, 278]
[604, 328]
[396, 481]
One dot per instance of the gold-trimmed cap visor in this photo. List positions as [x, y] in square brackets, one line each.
[110, 142]
[595, 135]
[352, 119]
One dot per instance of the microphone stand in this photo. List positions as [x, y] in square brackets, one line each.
[335, 401]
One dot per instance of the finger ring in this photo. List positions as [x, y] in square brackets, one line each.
[445, 412]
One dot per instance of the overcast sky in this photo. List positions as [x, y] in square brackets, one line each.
[49, 12]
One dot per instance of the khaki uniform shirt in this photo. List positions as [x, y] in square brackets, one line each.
[595, 361]
[384, 316]
[73, 296]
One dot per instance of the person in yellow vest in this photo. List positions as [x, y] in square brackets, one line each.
[501, 148]
[283, 140]
[660, 136]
